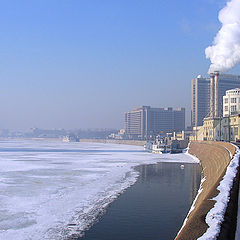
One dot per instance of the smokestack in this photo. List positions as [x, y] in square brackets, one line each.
[211, 95]
[216, 94]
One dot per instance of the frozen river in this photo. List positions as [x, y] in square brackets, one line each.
[52, 190]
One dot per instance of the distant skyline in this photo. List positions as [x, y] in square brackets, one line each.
[82, 64]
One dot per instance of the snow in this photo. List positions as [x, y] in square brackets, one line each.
[195, 200]
[52, 190]
[215, 216]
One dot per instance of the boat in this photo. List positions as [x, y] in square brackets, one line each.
[148, 146]
[70, 138]
[158, 146]
[176, 150]
[176, 147]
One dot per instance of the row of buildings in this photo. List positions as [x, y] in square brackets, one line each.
[214, 104]
[206, 91]
[225, 127]
[216, 107]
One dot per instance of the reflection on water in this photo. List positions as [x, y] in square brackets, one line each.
[153, 208]
[157, 170]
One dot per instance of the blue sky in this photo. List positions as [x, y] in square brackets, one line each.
[83, 63]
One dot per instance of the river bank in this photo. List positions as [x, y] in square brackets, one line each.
[148, 209]
[214, 157]
[115, 141]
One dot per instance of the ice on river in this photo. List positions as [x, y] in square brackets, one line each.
[52, 190]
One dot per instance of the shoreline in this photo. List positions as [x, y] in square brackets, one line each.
[114, 141]
[214, 158]
[158, 222]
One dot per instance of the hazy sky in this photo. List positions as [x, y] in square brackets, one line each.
[83, 63]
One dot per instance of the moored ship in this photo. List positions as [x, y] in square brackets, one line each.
[70, 138]
[159, 146]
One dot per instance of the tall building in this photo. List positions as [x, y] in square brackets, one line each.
[231, 102]
[135, 122]
[200, 100]
[143, 122]
[207, 94]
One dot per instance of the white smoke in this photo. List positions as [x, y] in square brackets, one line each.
[225, 52]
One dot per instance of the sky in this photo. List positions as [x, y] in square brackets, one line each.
[84, 63]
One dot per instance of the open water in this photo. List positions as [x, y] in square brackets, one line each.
[153, 208]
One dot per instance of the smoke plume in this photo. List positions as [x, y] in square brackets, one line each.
[225, 52]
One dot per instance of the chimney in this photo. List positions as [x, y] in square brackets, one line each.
[216, 94]
[212, 95]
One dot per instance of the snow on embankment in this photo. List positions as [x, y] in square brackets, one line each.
[215, 158]
[216, 215]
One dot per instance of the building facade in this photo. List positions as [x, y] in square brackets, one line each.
[145, 122]
[203, 105]
[211, 129]
[200, 100]
[232, 129]
[231, 102]
[222, 128]
[135, 122]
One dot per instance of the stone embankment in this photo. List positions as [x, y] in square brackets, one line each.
[127, 142]
[214, 157]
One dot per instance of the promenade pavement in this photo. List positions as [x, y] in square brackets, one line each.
[214, 158]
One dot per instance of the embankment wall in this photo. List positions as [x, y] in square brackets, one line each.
[214, 157]
[127, 142]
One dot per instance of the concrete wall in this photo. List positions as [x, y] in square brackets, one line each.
[127, 142]
[214, 157]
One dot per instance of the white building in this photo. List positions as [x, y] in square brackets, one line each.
[231, 102]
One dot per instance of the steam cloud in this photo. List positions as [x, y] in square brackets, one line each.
[225, 52]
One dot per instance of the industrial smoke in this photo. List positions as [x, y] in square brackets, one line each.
[225, 52]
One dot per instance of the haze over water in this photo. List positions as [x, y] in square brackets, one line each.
[82, 64]
[51, 190]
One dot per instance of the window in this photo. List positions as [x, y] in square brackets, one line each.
[233, 108]
[226, 108]
[226, 100]
[235, 130]
[233, 100]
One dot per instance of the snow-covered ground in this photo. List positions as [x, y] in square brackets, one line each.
[51, 190]
[215, 216]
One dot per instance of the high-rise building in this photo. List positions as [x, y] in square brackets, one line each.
[200, 99]
[143, 122]
[135, 122]
[207, 94]
[231, 102]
